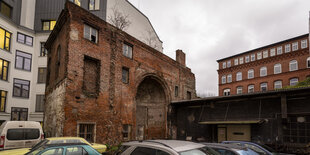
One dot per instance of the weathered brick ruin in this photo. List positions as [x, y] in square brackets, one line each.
[88, 94]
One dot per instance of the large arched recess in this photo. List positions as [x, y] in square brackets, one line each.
[152, 99]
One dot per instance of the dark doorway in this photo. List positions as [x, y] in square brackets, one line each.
[150, 110]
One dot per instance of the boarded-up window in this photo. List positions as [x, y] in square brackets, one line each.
[39, 103]
[91, 76]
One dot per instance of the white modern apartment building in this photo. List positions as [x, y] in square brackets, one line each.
[24, 27]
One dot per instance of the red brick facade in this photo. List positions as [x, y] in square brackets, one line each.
[300, 55]
[89, 88]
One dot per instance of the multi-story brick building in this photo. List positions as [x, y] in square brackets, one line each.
[24, 27]
[107, 86]
[266, 68]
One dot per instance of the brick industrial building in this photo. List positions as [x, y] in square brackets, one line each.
[107, 86]
[267, 68]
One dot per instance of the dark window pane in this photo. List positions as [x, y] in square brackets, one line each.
[5, 9]
[32, 133]
[15, 134]
[143, 151]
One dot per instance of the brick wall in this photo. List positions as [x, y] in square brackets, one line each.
[115, 105]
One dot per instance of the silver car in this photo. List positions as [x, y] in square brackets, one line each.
[164, 147]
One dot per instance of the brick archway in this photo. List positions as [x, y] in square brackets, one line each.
[151, 108]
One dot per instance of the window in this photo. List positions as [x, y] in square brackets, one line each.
[272, 52]
[239, 90]
[39, 103]
[229, 78]
[125, 75]
[252, 57]
[259, 55]
[265, 54]
[251, 74]
[247, 59]
[24, 39]
[23, 61]
[176, 91]
[228, 63]
[21, 88]
[126, 131]
[43, 50]
[279, 50]
[4, 69]
[90, 33]
[91, 79]
[251, 88]
[5, 9]
[263, 71]
[277, 68]
[224, 65]
[23, 134]
[188, 95]
[277, 84]
[148, 151]
[239, 76]
[236, 61]
[223, 79]
[127, 50]
[293, 65]
[241, 60]
[295, 46]
[86, 131]
[48, 25]
[53, 151]
[226, 92]
[41, 75]
[308, 62]
[75, 150]
[94, 4]
[3, 95]
[19, 114]
[77, 2]
[304, 44]
[293, 81]
[287, 48]
[5, 39]
[263, 86]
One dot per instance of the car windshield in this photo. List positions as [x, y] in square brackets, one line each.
[36, 150]
[200, 151]
[41, 143]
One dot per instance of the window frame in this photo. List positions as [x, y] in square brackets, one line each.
[259, 55]
[251, 72]
[76, 2]
[241, 60]
[308, 62]
[280, 68]
[287, 48]
[93, 132]
[41, 97]
[304, 44]
[127, 50]
[238, 89]
[251, 86]
[5, 38]
[279, 50]
[50, 25]
[176, 91]
[43, 50]
[272, 52]
[252, 57]
[237, 74]
[223, 79]
[39, 76]
[10, 7]
[228, 64]
[91, 29]
[294, 83]
[229, 78]
[23, 61]
[96, 6]
[2, 70]
[224, 65]
[236, 62]
[263, 70]
[247, 59]
[25, 39]
[262, 85]
[293, 62]
[21, 86]
[226, 92]
[275, 83]
[4, 99]
[295, 46]
[265, 54]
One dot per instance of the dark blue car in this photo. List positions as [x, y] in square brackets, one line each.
[261, 149]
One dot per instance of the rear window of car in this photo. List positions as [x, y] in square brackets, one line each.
[23, 134]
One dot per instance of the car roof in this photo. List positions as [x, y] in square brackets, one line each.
[63, 138]
[231, 146]
[176, 145]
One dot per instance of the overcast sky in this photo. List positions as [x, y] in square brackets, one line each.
[208, 30]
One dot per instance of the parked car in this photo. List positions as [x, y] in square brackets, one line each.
[230, 149]
[261, 149]
[20, 134]
[57, 141]
[164, 147]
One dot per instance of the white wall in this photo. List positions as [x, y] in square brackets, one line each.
[140, 26]
[28, 13]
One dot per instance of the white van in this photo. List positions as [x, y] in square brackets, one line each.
[20, 134]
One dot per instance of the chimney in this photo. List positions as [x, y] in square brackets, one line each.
[180, 57]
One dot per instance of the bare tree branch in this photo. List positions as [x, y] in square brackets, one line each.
[118, 19]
